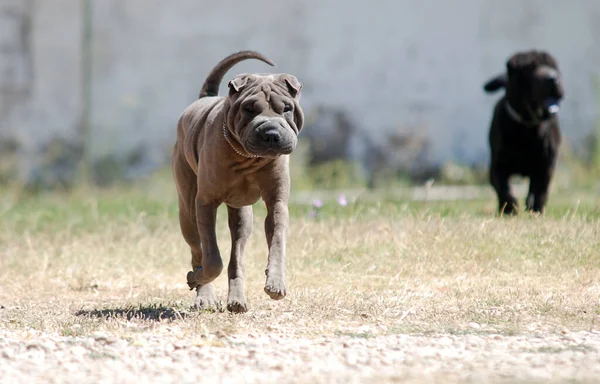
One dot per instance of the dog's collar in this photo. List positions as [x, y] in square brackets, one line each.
[518, 118]
[231, 145]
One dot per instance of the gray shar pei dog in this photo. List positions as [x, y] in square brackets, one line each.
[235, 150]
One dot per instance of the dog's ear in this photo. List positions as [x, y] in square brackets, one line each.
[495, 83]
[237, 83]
[293, 85]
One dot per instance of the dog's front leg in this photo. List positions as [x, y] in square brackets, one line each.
[240, 226]
[538, 191]
[507, 204]
[276, 225]
[212, 264]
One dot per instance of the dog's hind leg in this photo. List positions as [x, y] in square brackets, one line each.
[184, 175]
[205, 296]
[206, 220]
[240, 226]
[507, 204]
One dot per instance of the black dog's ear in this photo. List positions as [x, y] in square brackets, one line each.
[496, 83]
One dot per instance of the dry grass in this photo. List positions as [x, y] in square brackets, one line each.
[114, 261]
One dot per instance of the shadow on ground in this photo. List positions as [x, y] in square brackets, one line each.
[148, 313]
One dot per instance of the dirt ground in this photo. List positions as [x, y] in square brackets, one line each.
[271, 356]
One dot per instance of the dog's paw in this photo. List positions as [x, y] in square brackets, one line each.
[508, 208]
[275, 288]
[237, 306]
[205, 297]
[236, 298]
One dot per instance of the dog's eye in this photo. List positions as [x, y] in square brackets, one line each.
[249, 109]
[287, 108]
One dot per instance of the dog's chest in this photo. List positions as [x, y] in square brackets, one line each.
[524, 153]
[242, 193]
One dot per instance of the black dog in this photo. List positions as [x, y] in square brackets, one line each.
[525, 135]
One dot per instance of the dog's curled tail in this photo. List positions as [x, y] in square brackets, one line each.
[213, 81]
[495, 83]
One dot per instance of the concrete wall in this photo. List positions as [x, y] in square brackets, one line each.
[40, 77]
[393, 64]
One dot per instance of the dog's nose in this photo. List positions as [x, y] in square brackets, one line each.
[270, 136]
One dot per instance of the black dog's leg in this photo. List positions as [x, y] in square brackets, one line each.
[507, 204]
[538, 191]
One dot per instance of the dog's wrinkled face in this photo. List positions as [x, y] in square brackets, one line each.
[534, 82]
[265, 114]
